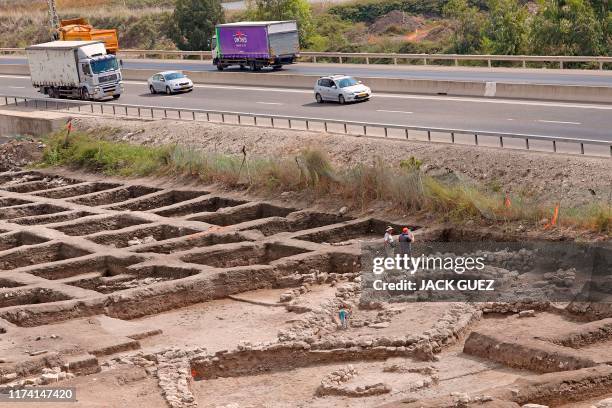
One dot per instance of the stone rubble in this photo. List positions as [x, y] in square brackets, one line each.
[527, 313]
[334, 383]
[606, 403]
[47, 376]
[137, 241]
[171, 366]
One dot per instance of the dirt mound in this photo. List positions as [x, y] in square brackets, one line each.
[396, 21]
[439, 32]
[19, 153]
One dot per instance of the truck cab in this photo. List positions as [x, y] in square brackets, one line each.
[101, 77]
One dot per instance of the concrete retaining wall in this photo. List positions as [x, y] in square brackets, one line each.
[14, 69]
[30, 123]
[574, 93]
[555, 92]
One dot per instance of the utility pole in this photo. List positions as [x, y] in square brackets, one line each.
[53, 18]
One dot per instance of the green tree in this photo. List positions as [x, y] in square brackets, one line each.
[330, 34]
[603, 11]
[466, 24]
[195, 22]
[299, 10]
[566, 27]
[506, 30]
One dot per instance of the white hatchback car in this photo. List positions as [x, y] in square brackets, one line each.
[169, 82]
[341, 88]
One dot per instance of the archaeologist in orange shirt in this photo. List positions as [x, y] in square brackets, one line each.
[405, 239]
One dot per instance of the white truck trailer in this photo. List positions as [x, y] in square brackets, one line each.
[75, 69]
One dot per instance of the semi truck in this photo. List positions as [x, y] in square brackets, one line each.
[75, 69]
[255, 44]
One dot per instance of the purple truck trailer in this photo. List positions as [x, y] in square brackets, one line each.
[255, 44]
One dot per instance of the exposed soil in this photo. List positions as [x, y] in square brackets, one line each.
[546, 177]
[396, 20]
[19, 153]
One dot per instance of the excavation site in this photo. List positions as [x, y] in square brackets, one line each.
[145, 294]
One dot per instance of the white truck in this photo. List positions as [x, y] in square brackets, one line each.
[75, 69]
[255, 44]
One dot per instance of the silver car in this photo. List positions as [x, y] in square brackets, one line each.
[341, 88]
[169, 82]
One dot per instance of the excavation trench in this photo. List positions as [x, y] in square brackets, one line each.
[76, 190]
[114, 195]
[159, 200]
[39, 254]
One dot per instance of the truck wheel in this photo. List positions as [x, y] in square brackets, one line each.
[219, 66]
[168, 91]
[152, 90]
[277, 67]
[319, 98]
[116, 96]
[341, 100]
[85, 95]
[254, 67]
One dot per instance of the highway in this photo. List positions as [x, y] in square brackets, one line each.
[509, 75]
[573, 120]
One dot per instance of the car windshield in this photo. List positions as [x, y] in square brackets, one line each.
[105, 65]
[174, 75]
[344, 82]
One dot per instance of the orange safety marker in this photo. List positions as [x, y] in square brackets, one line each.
[553, 222]
[554, 218]
[507, 202]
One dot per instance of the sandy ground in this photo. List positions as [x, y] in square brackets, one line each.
[546, 177]
[216, 325]
[118, 388]
[296, 388]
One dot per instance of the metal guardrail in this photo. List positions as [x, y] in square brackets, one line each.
[342, 57]
[365, 128]
[426, 58]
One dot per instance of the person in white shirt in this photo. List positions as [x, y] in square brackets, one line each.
[389, 242]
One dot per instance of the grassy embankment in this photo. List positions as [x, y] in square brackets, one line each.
[403, 188]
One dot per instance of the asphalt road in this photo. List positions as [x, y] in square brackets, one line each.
[509, 75]
[589, 121]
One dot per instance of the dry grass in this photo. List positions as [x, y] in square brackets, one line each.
[137, 27]
[405, 189]
[67, 6]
